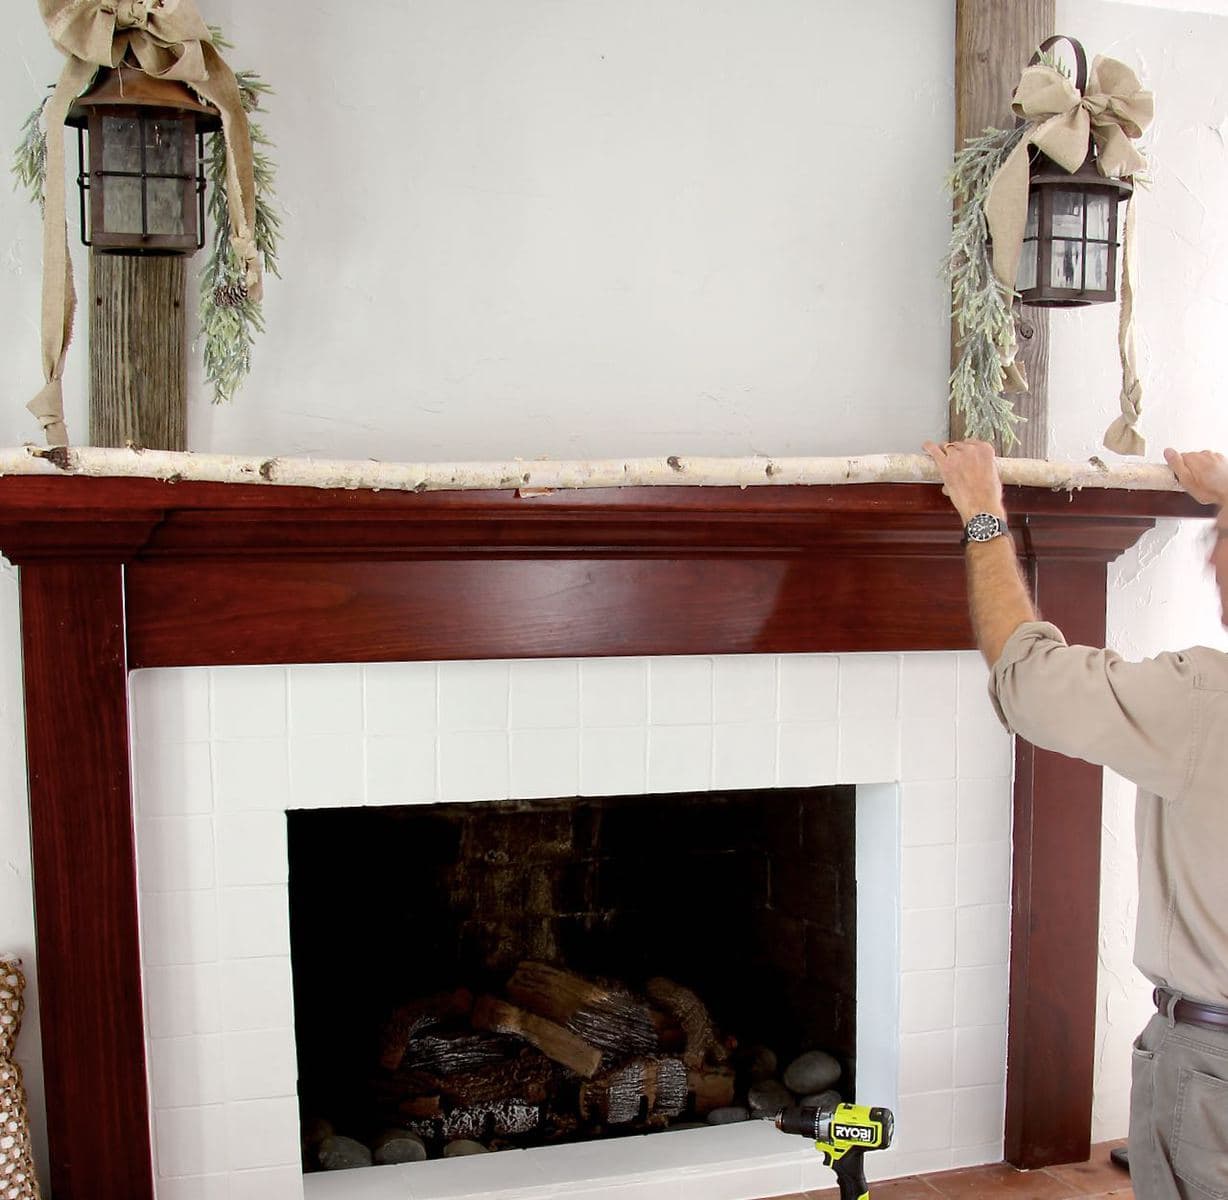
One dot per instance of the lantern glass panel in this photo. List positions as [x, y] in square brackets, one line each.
[1032, 228]
[121, 144]
[1097, 267]
[1066, 266]
[164, 146]
[1067, 214]
[121, 204]
[1098, 217]
[1025, 278]
[164, 206]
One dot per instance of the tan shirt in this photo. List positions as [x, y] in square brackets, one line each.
[1163, 724]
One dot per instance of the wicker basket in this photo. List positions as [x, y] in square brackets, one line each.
[17, 1181]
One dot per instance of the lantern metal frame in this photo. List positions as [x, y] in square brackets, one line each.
[1047, 179]
[128, 93]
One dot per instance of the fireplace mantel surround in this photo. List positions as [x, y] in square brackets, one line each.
[118, 574]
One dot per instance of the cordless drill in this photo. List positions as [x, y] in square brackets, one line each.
[842, 1134]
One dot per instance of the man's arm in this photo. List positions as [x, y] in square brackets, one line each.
[997, 595]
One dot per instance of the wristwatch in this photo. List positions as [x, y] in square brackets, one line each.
[984, 527]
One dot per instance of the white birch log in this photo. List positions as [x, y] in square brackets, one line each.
[536, 475]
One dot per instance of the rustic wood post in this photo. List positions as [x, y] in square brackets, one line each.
[993, 41]
[138, 369]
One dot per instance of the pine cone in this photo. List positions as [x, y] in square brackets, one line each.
[230, 295]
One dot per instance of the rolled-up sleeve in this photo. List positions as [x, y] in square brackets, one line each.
[1137, 718]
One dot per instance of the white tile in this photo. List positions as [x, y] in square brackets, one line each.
[926, 1061]
[251, 849]
[680, 691]
[173, 779]
[807, 753]
[927, 939]
[927, 813]
[869, 686]
[972, 681]
[927, 1001]
[255, 922]
[744, 756]
[275, 1183]
[473, 696]
[927, 877]
[768, 1179]
[984, 810]
[170, 704]
[661, 1189]
[545, 694]
[248, 702]
[262, 1133]
[175, 853]
[325, 699]
[984, 873]
[979, 1155]
[982, 935]
[983, 751]
[256, 994]
[186, 1071]
[745, 688]
[982, 994]
[980, 1055]
[178, 927]
[927, 685]
[545, 763]
[809, 687]
[977, 1115]
[614, 691]
[869, 750]
[400, 698]
[326, 770]
[259, 1066]
[251, 774]
[680, 758]
[193, 1187]
[927, 748]
[923, 1122]
[613, 762]
[183, 1000]
[473, 766]
[401, 769]
[190, 1141]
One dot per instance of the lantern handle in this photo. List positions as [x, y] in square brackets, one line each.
[1079, 53]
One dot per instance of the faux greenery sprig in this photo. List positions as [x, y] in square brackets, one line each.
[229, 319]
[980, 303]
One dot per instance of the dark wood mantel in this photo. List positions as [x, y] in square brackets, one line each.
[125, 573]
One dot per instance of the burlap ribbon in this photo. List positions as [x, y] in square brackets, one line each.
[1113, 110]
[166, 39]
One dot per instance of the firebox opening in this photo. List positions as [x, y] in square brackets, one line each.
[516, 973]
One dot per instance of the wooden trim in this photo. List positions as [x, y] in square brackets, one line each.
[225, 573]
[993, 41]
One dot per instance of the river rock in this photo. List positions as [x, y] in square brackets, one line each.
[462, 1147]
[766, 1099]
[814, 1071]
[730, 1115]
[760, 1063]
[821, 1099]
[398, 1146]
[338, 1153]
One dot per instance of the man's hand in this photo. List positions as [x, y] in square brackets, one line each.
[969, 476]
[1203, 473]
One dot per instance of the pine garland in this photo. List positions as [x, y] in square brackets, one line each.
[980, 303]
[229, 319]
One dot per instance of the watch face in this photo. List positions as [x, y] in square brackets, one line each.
[984, 527]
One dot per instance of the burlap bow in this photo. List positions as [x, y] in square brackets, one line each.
[1114, 109]
[169, 40]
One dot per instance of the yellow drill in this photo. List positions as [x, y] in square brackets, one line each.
[842, 1134]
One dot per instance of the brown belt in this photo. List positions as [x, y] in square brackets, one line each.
[1191, 1012]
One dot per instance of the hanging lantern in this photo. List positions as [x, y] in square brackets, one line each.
[145, 175]
[1074, 222]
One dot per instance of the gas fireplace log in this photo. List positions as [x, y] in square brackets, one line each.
[657, 1087]
[454, 1052]
[712, 1087]
[550, 1038]
[530, 1076]
[609, 1018]
[691, 1013]
[412, 1018]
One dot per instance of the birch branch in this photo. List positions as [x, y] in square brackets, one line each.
[533, 475]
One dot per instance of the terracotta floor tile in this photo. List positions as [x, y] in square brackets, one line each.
[911, 1187]
[976, 1183]
[1097, 1176]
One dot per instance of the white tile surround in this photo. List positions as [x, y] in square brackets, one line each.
[221, 753]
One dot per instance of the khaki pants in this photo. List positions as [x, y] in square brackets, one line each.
[1179, 1112]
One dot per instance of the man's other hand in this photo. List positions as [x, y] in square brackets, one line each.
[969, 476]
[1203, 473]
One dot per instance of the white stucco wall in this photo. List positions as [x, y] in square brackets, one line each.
[535, 228]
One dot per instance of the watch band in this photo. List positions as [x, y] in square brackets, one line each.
[984, 527]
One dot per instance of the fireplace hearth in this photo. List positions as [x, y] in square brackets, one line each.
[121, 574]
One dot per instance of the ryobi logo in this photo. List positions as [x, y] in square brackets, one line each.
[854, 1133]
